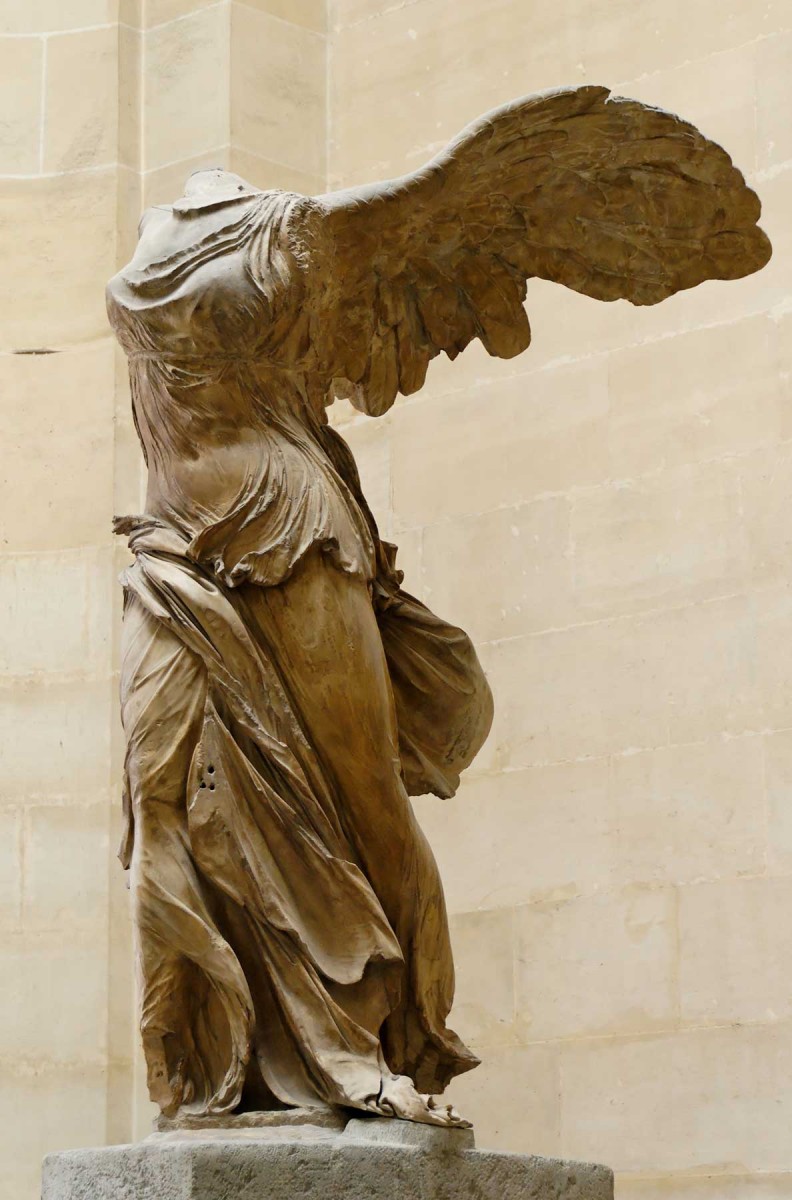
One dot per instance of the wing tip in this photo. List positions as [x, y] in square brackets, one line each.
[764, 249]
[751, 252]
[727, 255]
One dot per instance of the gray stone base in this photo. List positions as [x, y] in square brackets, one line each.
[369, 1159]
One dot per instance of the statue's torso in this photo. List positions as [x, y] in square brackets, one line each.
[209, 315]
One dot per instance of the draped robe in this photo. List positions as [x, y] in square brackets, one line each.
[281, 694]
[292, 940]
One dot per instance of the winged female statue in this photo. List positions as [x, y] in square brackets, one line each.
[282, 696]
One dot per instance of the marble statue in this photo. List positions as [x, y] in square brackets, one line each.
[282, 695]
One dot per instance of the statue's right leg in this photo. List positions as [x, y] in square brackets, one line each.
[179, 956]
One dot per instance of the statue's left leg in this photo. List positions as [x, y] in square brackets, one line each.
[322, 628]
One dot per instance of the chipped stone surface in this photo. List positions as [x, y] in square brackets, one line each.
[418, 1162]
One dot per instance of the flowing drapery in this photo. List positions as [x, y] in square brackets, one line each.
[291, 930]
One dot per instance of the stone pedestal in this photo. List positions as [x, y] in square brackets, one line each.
[316, 1159]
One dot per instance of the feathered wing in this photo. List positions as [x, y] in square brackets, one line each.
[605, 195]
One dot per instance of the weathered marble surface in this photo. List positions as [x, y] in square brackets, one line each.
[282, 694]
[372, 1157]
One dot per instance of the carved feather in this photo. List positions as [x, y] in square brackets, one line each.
[603, 194]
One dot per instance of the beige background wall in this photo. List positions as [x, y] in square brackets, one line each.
[63, 1075]
[104, 108]
[607, 515]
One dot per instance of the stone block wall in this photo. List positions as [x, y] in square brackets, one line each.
[607, 516]
[64, 1075]
[105, 108]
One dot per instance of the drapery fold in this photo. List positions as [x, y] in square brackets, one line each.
[281, 698]
[268, 948]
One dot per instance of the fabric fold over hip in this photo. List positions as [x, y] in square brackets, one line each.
[265, 955]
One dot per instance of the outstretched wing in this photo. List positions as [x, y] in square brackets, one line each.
[606, 195]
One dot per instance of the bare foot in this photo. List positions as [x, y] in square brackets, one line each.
[399, 1098]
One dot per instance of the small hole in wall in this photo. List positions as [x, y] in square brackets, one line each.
[203, 783]
[211, 770]
[211, 787]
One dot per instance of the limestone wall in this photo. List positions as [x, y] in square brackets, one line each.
[105, 107]
[608, 515]
[63, 1076]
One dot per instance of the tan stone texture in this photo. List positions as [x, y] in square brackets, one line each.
[163, 12]
[70, 1103]
[21, 68]
[186, 98]
[278, 89]
[58, 477]
[530, 1122]
[265, 173]
[10, 868]
[710, 1099]
[597, 964]
[63, 841]
[71, 221]
[81, 124]
[131, 44]
[310, 13]
[62, 945]
[608, 515]
[53, 16]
